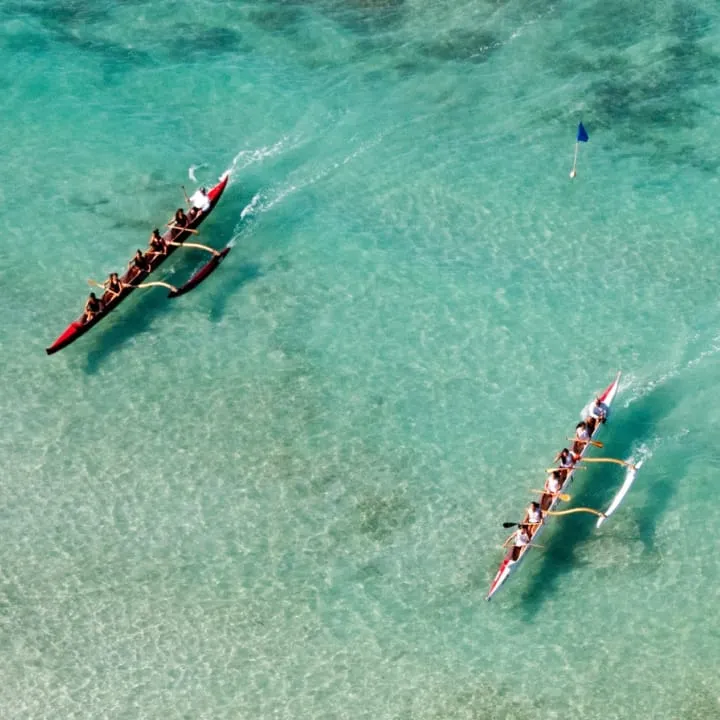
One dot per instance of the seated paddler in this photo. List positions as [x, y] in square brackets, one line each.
[598, 414]
[534, 514]
[180, 220]
[199, 202]
[522, 538]
[157, 245]
[113, 285]
[92, 307]
[139, 263]
[582, 437]
[553, 485]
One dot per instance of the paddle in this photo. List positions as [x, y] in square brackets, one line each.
[513, 524]
[595, 443]
[573, 468]
[195, 245]
[563, 496]
[610, 460]
[184, 229]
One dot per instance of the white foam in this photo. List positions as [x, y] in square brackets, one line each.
[644, 388]
[192, 169]
[251, 206]
[245, 158]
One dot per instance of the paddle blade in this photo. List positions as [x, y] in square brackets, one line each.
[582, 135]
[509, 524]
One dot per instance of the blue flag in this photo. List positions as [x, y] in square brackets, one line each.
[582, 135]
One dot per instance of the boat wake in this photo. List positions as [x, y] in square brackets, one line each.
[643, 388]
[245, 158]
[266, 200]
[262, 202]
[250, 208]
[300, 179]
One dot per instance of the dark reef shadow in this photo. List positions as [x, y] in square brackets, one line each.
[461, 45]
[594, 488]
[278, 18]
[205, 40]
[366, 17]
[649, 108]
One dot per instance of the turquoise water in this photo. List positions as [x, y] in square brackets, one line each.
[282, 495]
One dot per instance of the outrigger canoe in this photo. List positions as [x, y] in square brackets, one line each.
[133, 277]
[508, 565]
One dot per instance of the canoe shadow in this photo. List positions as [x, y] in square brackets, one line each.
[595, 488]
[129, 323]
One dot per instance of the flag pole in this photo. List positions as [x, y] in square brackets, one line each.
[572, 172]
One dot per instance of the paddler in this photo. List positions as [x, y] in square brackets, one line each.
[565, 459]
[157, 245]
[139, 262]
[598, 414]
[180, 220]
[92, 307]
[582, 437]
[522, 538]
[534, 514]
[553, 485]
[113, 285]
[199, 202]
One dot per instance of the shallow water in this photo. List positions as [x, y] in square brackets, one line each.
[282, 494]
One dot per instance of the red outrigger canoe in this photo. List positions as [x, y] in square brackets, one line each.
[134, 277]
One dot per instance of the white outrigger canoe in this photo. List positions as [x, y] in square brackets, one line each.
[508, 565]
